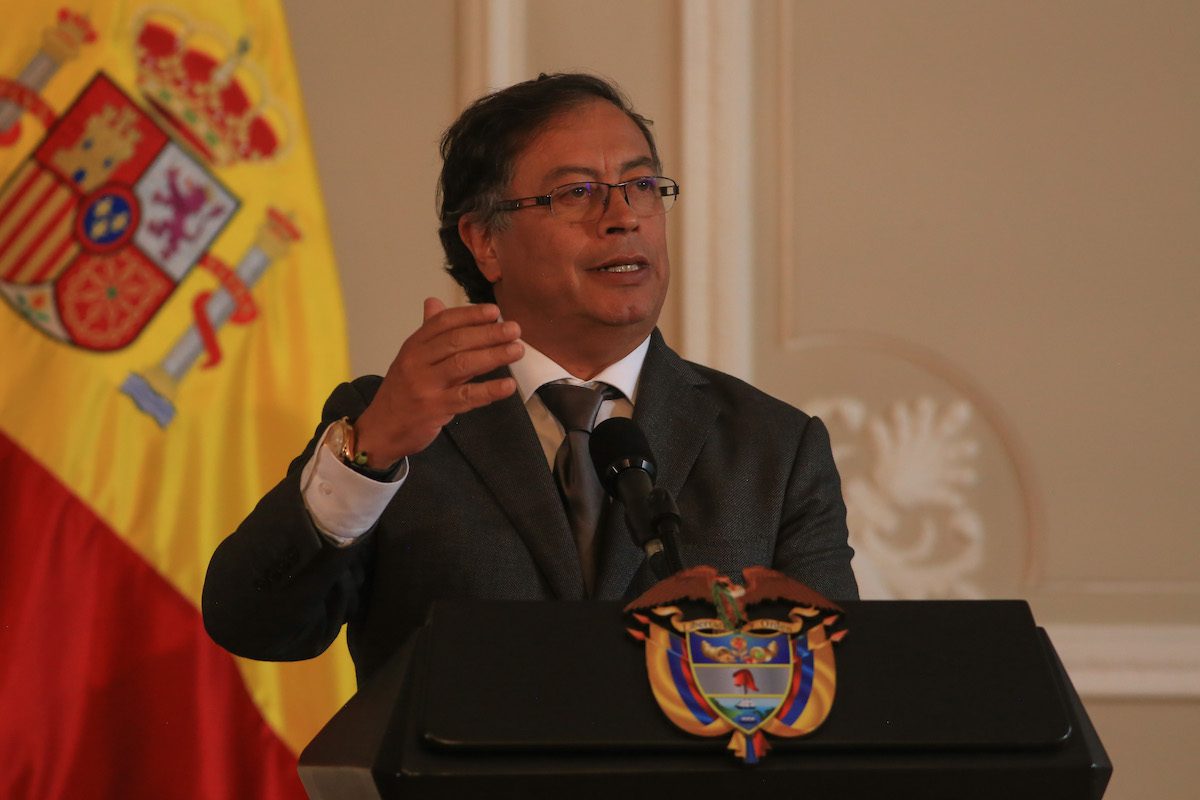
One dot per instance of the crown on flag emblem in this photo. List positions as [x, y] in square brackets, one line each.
[63, 40]
[206, 91]
[720, 659]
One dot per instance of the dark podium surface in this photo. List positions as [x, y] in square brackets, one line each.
[935, 699]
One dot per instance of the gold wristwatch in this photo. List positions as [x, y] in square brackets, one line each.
[342, 441]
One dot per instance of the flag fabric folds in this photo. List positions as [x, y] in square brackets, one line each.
[171, 323]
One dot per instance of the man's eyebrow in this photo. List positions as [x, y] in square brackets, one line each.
[641, 161]
[570, 169]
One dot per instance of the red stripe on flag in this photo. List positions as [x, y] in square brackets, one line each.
[65, 207]
[109, 686]
[23, 223]
[55, 263]
[16, 195]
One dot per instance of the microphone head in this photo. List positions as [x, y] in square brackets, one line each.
[618, 444]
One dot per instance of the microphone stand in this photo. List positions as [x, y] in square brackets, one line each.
[662, 548]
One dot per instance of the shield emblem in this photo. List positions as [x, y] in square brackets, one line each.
[744, 676]
[104, 220]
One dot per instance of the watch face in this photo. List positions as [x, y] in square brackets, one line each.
[337, 437]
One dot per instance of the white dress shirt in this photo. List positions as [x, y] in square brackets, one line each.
[345, 504]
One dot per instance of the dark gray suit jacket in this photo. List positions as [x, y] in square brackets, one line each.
[480, 517]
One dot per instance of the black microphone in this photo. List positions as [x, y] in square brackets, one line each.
[626, 467]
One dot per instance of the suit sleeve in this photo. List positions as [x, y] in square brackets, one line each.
[276, 589]
[812, 545]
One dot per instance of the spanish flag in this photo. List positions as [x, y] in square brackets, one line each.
[170, 324]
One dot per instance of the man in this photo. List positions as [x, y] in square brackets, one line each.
[450, 476]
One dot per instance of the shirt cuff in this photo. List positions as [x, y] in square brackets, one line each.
[344, 504]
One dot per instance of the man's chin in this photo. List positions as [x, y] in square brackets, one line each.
[629, 315]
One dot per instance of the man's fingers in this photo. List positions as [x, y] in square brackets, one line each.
[446, 319]
[466, 364]
[433, 307]
[472, 337]
[468, 396]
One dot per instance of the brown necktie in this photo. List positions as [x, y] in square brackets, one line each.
[576, 408]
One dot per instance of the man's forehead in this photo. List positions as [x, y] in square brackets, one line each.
[587, 171]
[587, 141]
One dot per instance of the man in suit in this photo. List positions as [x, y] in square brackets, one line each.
[451, 476]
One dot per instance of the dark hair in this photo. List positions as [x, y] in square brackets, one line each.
[480, 149]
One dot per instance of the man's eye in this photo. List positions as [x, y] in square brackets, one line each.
[647, 185]
[575, 193]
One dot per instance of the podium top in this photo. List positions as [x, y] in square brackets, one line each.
[932, 676]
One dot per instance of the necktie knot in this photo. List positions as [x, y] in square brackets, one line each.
[575, 407]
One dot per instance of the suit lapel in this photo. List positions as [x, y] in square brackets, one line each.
[676, 415]
[499, 442]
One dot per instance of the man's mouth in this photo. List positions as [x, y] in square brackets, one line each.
[623, 265]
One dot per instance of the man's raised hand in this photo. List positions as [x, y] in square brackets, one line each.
[430, 380]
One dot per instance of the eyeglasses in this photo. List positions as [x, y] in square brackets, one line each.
[585, 201]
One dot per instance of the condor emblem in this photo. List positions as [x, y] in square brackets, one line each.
[738, 666]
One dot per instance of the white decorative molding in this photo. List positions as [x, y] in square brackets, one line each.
[491, 46]
[991, 465]
[506, 26]
[717, 242]
[1111, 586]
[909, 476]
[1130, 661]
[490, 54]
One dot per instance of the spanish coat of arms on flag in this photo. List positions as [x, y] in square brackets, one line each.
[104, 220]
[171, 320]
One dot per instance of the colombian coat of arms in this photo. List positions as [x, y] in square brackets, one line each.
[750, 659]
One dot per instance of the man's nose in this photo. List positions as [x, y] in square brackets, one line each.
[618, 214]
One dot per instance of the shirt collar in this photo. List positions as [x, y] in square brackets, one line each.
[536, 369]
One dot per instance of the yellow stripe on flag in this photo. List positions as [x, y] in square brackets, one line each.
[48, 227]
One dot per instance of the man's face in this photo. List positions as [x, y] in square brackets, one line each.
[567, 281]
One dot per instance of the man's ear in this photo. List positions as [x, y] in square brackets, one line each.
[480, 240]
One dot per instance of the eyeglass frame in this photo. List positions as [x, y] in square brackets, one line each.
[517, 203]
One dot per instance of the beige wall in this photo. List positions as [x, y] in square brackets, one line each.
[971, 241]
[381, 81]
[378, 81]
